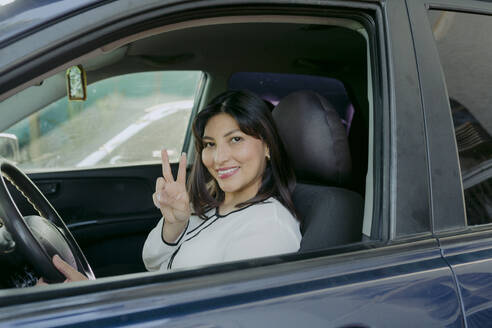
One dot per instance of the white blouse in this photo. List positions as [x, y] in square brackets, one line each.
[261, 229]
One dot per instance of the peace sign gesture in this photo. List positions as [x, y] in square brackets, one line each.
[172, 198]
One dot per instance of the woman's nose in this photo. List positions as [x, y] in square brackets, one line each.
[222, 154]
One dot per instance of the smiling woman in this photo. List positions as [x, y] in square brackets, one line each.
[236, 161]
[239, 190]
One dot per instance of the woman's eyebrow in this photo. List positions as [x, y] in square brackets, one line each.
[231, 132]
[225, 135]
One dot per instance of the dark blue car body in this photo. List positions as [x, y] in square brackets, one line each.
[426, 269]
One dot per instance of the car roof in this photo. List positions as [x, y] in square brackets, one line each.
[21, 17]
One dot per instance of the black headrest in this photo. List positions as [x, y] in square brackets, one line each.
[314, 137]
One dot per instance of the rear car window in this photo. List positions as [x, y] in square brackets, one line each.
[463, 42]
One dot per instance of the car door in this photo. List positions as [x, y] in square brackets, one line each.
[395, 277]
[454, 49]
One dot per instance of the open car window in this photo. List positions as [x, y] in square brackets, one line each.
[145, 99]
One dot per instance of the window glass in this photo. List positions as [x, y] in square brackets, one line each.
[465, 49]
[126, 119]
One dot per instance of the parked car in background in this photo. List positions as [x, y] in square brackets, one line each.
[403, 240]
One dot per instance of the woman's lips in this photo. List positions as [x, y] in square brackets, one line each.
[225, 173]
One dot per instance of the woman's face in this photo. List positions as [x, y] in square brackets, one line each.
[235, 160]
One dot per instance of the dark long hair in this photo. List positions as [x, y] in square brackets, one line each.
[254, 118]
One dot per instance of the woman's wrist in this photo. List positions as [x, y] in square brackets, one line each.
[172, 231]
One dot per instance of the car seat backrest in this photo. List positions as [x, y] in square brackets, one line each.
[316, 143]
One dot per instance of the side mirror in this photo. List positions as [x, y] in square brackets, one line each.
[9, 147]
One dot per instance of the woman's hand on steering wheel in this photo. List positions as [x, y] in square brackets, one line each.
[171, 197]
[70, 273]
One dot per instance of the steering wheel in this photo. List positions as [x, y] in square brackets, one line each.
[38, 238]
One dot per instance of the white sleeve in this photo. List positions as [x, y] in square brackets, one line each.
[263, 236]
[156, 252]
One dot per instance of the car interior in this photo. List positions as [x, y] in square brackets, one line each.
[315, 72]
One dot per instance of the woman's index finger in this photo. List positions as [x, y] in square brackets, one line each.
[182, 169]
[166, 168]
[65, 268]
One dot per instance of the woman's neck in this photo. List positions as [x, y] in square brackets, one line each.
[231, 200]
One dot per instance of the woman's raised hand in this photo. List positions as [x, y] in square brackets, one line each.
[171, 196]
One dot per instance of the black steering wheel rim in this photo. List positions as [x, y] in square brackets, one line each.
[26, 242]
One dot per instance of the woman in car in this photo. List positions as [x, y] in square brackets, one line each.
[238, 202]
[239, 191]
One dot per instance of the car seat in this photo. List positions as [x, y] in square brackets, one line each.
[317, 146]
